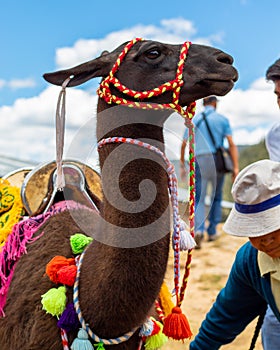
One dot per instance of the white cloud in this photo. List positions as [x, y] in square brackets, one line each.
[18, 83]
[251, 109]
[21, 83]
[30, 132]
[170, 31]
[179, 26]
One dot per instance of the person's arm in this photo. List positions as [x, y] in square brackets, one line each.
[238, 303]
[234, 155]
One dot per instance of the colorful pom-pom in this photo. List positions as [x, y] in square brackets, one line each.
[54, 301]
[78, 242]
[67, 275]
[69, 320]
[176, 325]
[156, 340]
[99, 346]
[82, 342]
[165, 299]
[56, 264]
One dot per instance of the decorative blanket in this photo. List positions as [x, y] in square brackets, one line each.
[11, 209]
[21, 235]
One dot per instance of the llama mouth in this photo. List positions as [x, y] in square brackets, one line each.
[227, 81]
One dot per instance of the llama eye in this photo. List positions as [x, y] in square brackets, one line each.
[153, 54]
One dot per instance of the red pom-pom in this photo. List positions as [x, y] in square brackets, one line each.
[67, 274]
[56, 264]
[176, 325]
[156, 328]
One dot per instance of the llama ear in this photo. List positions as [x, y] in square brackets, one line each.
[99, 67]
[105, 52]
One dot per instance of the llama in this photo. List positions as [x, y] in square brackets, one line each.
[124, 267]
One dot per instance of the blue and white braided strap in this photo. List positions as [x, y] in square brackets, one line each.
[95, 337]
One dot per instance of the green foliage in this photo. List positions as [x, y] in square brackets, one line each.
[247, 155]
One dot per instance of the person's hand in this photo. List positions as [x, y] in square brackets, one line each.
[234, 174]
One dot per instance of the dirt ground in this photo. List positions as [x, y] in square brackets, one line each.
[209, 271]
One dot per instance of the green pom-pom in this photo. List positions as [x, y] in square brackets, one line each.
[81, 342]
[99, 346]
[54, 301]
[78, 242]
[156, 341]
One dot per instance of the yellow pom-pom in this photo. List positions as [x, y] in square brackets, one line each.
[78, 242]
[156, 341]
[54, 301]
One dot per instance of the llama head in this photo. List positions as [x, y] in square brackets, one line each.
[150, 64]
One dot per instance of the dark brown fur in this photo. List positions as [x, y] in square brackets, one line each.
[119, 282]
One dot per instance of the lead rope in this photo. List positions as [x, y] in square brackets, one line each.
[257, 330]
[173, 191]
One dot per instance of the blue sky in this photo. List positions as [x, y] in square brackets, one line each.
[38, 37]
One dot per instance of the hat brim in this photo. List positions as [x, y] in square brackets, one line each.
[252, 225]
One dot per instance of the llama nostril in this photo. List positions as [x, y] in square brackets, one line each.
[225, 58]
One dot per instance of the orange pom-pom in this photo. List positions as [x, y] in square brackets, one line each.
[176, 325]
[67, 274]
[56, 264]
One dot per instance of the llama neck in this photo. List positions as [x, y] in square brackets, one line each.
[134, 180]
[129, 268]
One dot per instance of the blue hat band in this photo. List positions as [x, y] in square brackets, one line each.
[259, 207]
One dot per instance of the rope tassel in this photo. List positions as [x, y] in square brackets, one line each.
[82, 342]
[176, 325]
[187, 242]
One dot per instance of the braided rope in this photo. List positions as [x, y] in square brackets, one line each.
[191, 211]
[172, 186]
[159, 311]
[84, 325]
[64, 339]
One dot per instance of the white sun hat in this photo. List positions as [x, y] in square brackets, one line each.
[256, 193]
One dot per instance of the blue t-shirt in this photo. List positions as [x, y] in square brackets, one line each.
[219, 126]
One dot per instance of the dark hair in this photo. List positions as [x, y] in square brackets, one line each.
[273, 72]
[209, 99]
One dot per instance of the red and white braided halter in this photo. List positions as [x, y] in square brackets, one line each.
[104, 92]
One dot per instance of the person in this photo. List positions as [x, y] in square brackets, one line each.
[272, 139]
[254, 279]
[205, 166]
[271, 327]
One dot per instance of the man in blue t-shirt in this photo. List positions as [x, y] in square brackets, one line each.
[205, 166]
